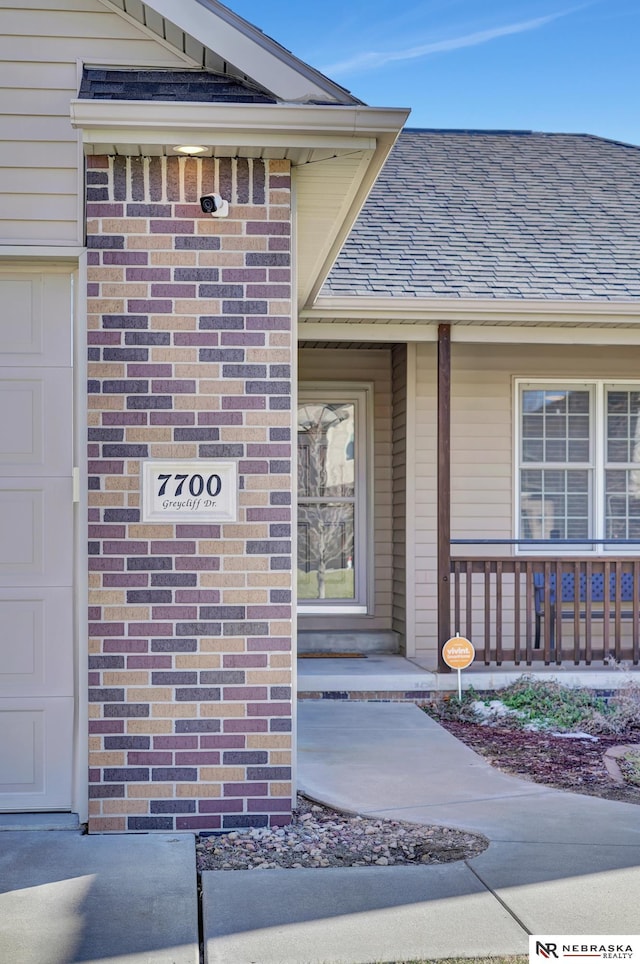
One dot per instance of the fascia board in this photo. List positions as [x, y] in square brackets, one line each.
[468, 311]
[250, 50]
[136, 117]
[468, 334]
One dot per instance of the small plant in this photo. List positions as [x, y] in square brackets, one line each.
[622, 716]
[449, 707]
[549, 704]
[630, 767]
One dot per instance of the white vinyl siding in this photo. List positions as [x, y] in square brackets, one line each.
[41, 48]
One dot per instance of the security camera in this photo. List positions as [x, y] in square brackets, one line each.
[214, 205]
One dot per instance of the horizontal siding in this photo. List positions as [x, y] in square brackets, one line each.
[374, 366]
[40, 47]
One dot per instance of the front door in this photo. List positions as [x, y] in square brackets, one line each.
[36, 542]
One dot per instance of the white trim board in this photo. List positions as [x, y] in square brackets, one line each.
[470, 334]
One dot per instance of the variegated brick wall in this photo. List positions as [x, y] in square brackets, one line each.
[190, 353]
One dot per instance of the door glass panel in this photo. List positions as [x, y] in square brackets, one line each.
[326, 450]
[325, 551]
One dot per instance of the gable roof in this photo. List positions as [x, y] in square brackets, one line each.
[497, 215]
[217, 39]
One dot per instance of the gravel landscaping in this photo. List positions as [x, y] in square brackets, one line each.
[320, 837]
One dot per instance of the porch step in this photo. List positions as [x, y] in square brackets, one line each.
[379, 676]
[39, 821]
[394, 678]
[360, 641]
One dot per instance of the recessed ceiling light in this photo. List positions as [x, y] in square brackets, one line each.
[190, 149]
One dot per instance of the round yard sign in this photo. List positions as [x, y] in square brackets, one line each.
[458, 652]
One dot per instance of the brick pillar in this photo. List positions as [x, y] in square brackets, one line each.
[190, 353]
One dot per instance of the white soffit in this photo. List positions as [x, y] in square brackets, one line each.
[212, 33]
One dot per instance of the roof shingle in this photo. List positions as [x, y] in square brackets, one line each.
[172, 85]
[482, 214]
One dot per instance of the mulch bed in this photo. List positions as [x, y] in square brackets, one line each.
[568, 764]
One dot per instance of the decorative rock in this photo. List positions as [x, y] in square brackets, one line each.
[320, 837]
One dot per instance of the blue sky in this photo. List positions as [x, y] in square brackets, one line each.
[543, 65]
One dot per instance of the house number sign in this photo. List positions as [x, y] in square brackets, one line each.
[203, 490]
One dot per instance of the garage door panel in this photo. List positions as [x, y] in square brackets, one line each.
[35, 760]
[36, 521]
[35, 323]
[37, 675]
[36, 655]
[35, 422]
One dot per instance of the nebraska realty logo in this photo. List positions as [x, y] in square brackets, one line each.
[598, 947]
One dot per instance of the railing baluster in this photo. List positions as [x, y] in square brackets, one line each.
[456, 596]
[499, 613]
[635, 570]
[606, 609]
[487, 613]
[548, 613]
[530, 615]
[576, 610]
[557, 614]
[516, 614]
[469, 600]
[617, 568]
[588, 609]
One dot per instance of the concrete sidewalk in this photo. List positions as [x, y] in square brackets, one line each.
[558, 863]
[113, 899]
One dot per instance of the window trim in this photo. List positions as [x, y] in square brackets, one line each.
[361, 395]
[597, 388]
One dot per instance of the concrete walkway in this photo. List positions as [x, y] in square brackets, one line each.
[113, 899]
[558, 863]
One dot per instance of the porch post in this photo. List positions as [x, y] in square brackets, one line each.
[444, 490]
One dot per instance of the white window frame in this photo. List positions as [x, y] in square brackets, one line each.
[360, 394]
[597, 388]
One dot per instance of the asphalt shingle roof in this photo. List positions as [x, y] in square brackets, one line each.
[481, 214]
[178, 85]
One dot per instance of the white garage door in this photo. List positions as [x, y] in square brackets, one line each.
[36, 541]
